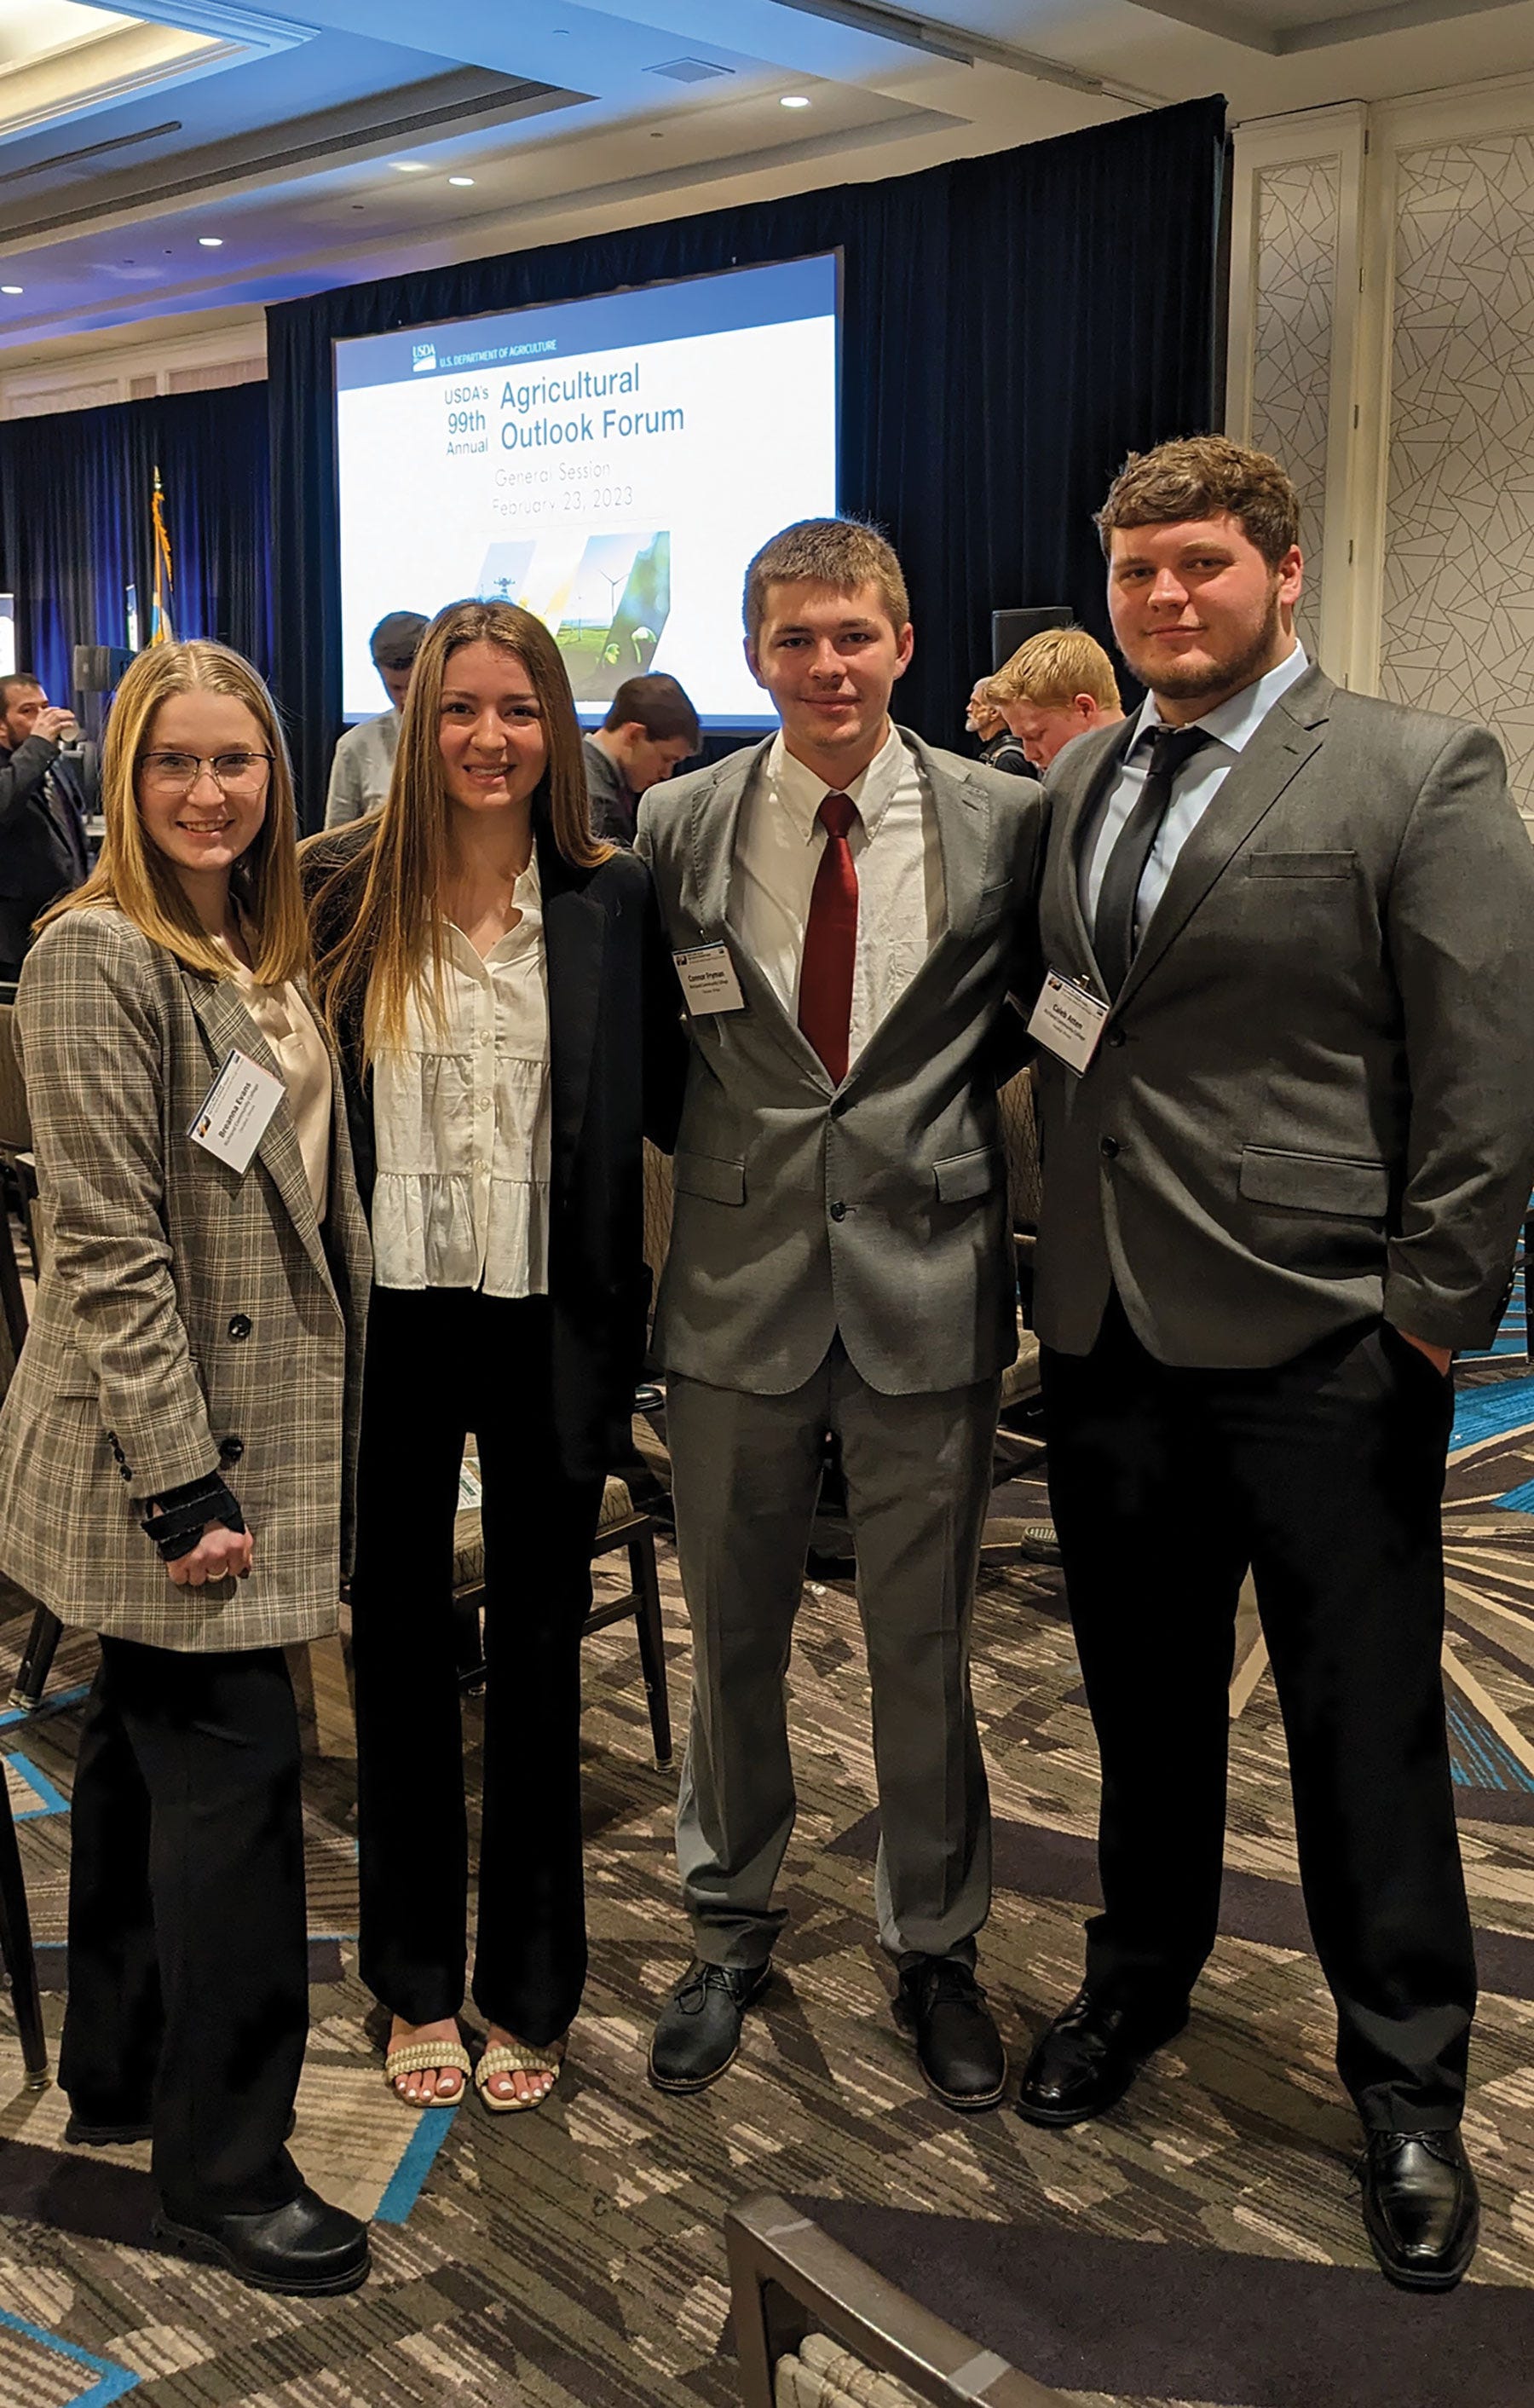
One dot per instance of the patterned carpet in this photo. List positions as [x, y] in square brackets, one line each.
[1200, 2247]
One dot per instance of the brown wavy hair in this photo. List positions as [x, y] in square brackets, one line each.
[394, 936]
[1205, 477]
[132, 876]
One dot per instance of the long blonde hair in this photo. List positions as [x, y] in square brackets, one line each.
[393, 935]
[135, 877]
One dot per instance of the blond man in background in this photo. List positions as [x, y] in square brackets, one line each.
[1055, 687]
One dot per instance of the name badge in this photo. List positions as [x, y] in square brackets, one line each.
[1067, 1020]
[232, 1118]
[709, 981]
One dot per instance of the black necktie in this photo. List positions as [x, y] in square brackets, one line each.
[1113, 929]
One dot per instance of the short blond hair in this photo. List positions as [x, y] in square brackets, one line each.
[1050, 670]
[133, 875]
[842, 554]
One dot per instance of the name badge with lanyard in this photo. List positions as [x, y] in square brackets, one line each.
[1067, 1020]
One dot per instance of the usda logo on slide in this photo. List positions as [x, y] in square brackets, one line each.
[422, 358]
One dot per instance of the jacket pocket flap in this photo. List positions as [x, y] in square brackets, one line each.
[704, 1174]
[964, 1176]
[1300, 865]
[1315, 1183]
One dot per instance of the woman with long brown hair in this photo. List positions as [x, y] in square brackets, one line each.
[175, 1448]
[508, 1020]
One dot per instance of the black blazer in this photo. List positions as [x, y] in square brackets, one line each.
[38, 859]
[617, 1065]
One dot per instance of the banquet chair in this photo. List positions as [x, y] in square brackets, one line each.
[815, 2328]
[16, 1947]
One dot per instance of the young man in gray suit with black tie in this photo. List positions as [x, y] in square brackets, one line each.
[845, 905]
[1288, 1127]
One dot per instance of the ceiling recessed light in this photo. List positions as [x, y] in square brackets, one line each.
[794, 100]
[210, 242]
[12, 288]
[409, 166]
[460, 179]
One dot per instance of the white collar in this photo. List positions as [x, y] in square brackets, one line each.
[801, 791]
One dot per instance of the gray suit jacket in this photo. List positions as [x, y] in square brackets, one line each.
[187, 1320]
[1314, 1101]
[879, 1207]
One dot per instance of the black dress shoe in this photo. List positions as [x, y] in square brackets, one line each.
[697, 2032]
[1089, 2057]
[958, 2047]
[1422, 2211]
[307, 2248]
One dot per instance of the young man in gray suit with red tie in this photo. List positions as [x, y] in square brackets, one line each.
[845, 905]
[1288, 1127]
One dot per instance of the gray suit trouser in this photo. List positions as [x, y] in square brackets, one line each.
[745, 1473]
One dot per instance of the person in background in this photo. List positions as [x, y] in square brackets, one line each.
[649, 731]
[175, 1454]
[999, 750]
[1058, 685]
[1285, 1162]
[846, 904]
[43, 848]
[509, 1027]
[364, 757]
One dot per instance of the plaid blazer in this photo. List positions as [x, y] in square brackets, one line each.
[188, 1319]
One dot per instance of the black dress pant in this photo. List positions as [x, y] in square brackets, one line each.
[188, 2002]
[1324, 1476]
[441, 1362]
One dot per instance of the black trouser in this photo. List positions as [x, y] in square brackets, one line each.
[441, 1362]
[188, 1950]
[1325, 1476]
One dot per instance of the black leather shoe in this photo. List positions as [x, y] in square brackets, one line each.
[958, 2047]
[697, 2032]
[1422, 2211]
[1089, 2057]
[307, 2248]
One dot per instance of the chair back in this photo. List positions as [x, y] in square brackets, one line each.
[1018, 1104]
[15, 1120]
[657, 1208]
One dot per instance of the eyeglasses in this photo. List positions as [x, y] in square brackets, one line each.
[177, 773]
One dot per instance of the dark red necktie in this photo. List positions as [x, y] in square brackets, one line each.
[831, 941]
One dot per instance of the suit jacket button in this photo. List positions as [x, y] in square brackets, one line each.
[240, 1325]
[1108, 1149]
[231, 1449]
[839, 1211]
[1115, 1036]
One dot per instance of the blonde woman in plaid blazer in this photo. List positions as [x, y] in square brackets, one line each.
[176, 1453]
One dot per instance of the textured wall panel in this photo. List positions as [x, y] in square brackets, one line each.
[1457, 628]
[1298, 221]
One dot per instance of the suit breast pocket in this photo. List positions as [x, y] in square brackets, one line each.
[705, 1174]
[1335, 866]
[994, 901]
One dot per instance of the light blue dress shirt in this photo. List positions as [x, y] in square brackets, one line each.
[1232, 725]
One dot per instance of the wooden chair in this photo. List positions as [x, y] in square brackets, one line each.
[791, 2287]
[622, 1523]
[16, 1948]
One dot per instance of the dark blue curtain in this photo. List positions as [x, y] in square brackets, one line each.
[75, 491]
[1014, 325]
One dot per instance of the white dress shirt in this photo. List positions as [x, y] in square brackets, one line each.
[361, 770]
[461, 1120]
[898, 855]
[1231, 726]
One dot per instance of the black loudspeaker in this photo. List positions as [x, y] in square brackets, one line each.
[1009, 628]
[98, 667]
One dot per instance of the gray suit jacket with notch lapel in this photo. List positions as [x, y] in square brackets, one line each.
[188, 1319]
[1313, 1100]
[877, 1209]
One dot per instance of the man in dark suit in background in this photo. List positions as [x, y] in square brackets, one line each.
[650, 729]
[1288, 1131]
[43, 850]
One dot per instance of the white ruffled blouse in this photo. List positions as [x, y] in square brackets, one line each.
[461, 1119]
